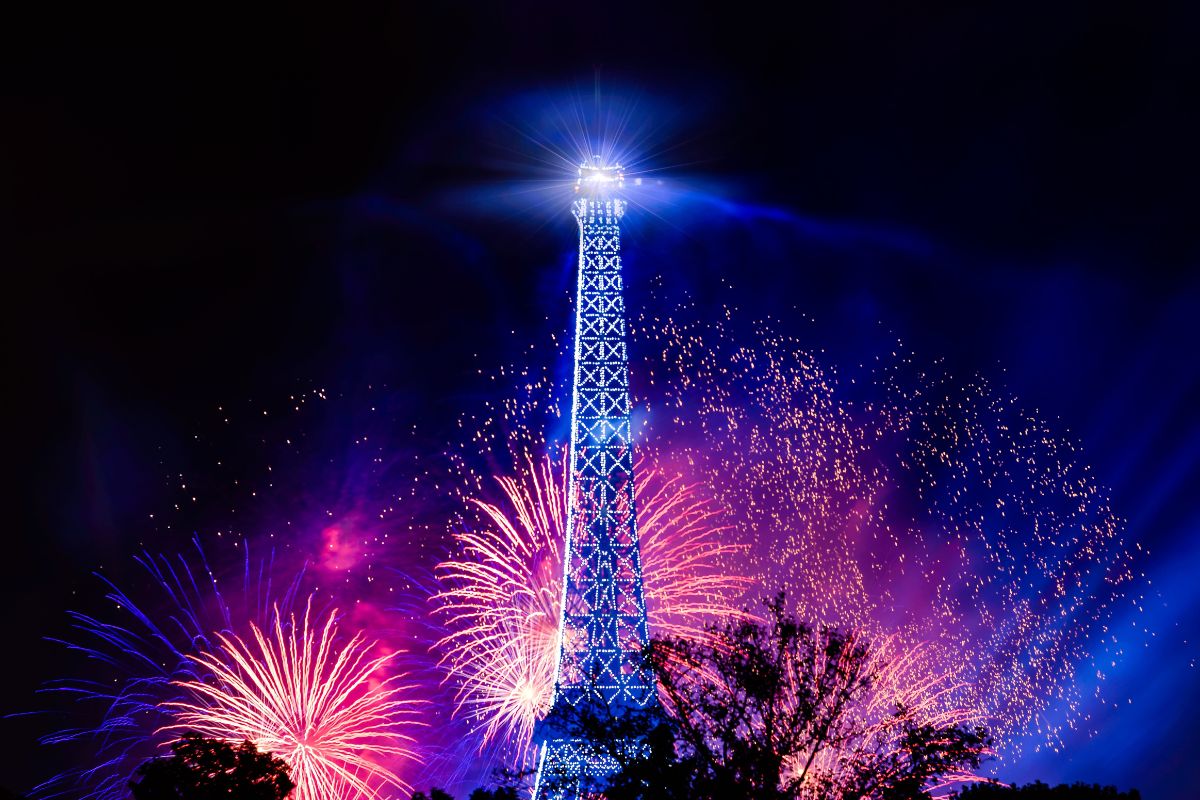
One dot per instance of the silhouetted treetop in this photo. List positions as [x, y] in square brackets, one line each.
[1042, 791]
[770, 710]
[209, 769]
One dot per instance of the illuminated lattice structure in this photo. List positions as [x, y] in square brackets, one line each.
[603, 628]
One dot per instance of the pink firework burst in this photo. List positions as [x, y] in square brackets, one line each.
[906, 687]
[329, 709]
[502, 593]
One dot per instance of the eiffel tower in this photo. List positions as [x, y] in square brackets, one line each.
[602, 632]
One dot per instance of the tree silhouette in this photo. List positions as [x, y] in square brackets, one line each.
[208, 769]
[499, 793]
[1042, 791]
[434, 794]
[759, 711]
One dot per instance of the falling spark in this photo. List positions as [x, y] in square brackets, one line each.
[892, 500]
[900, 500]
[328, 709]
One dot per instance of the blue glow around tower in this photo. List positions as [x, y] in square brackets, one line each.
[603, 630]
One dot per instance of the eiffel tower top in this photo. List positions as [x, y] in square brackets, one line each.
[597, 189]
[597, 179]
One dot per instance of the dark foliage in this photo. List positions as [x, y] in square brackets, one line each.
[507, 784]
[735, 725]
[499, 793]
[1042, 791]
[208, 769]
[434, 794]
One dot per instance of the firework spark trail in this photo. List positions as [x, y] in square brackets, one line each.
[144, 655]
[901, 505]
[322, 707]
[905, 688]
[888, 687]
[161, 664]
[502, 593]
[502, 604]
[908, 502]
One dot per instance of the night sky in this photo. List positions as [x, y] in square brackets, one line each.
[206, 207]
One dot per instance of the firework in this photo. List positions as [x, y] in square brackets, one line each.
[905, 687]
[502, 593]
[159, 673]
[911, 508]
[899, 501]
[139, 657]
[892, 501]
[328, 709]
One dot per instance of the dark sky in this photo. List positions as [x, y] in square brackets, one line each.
[180, 186]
